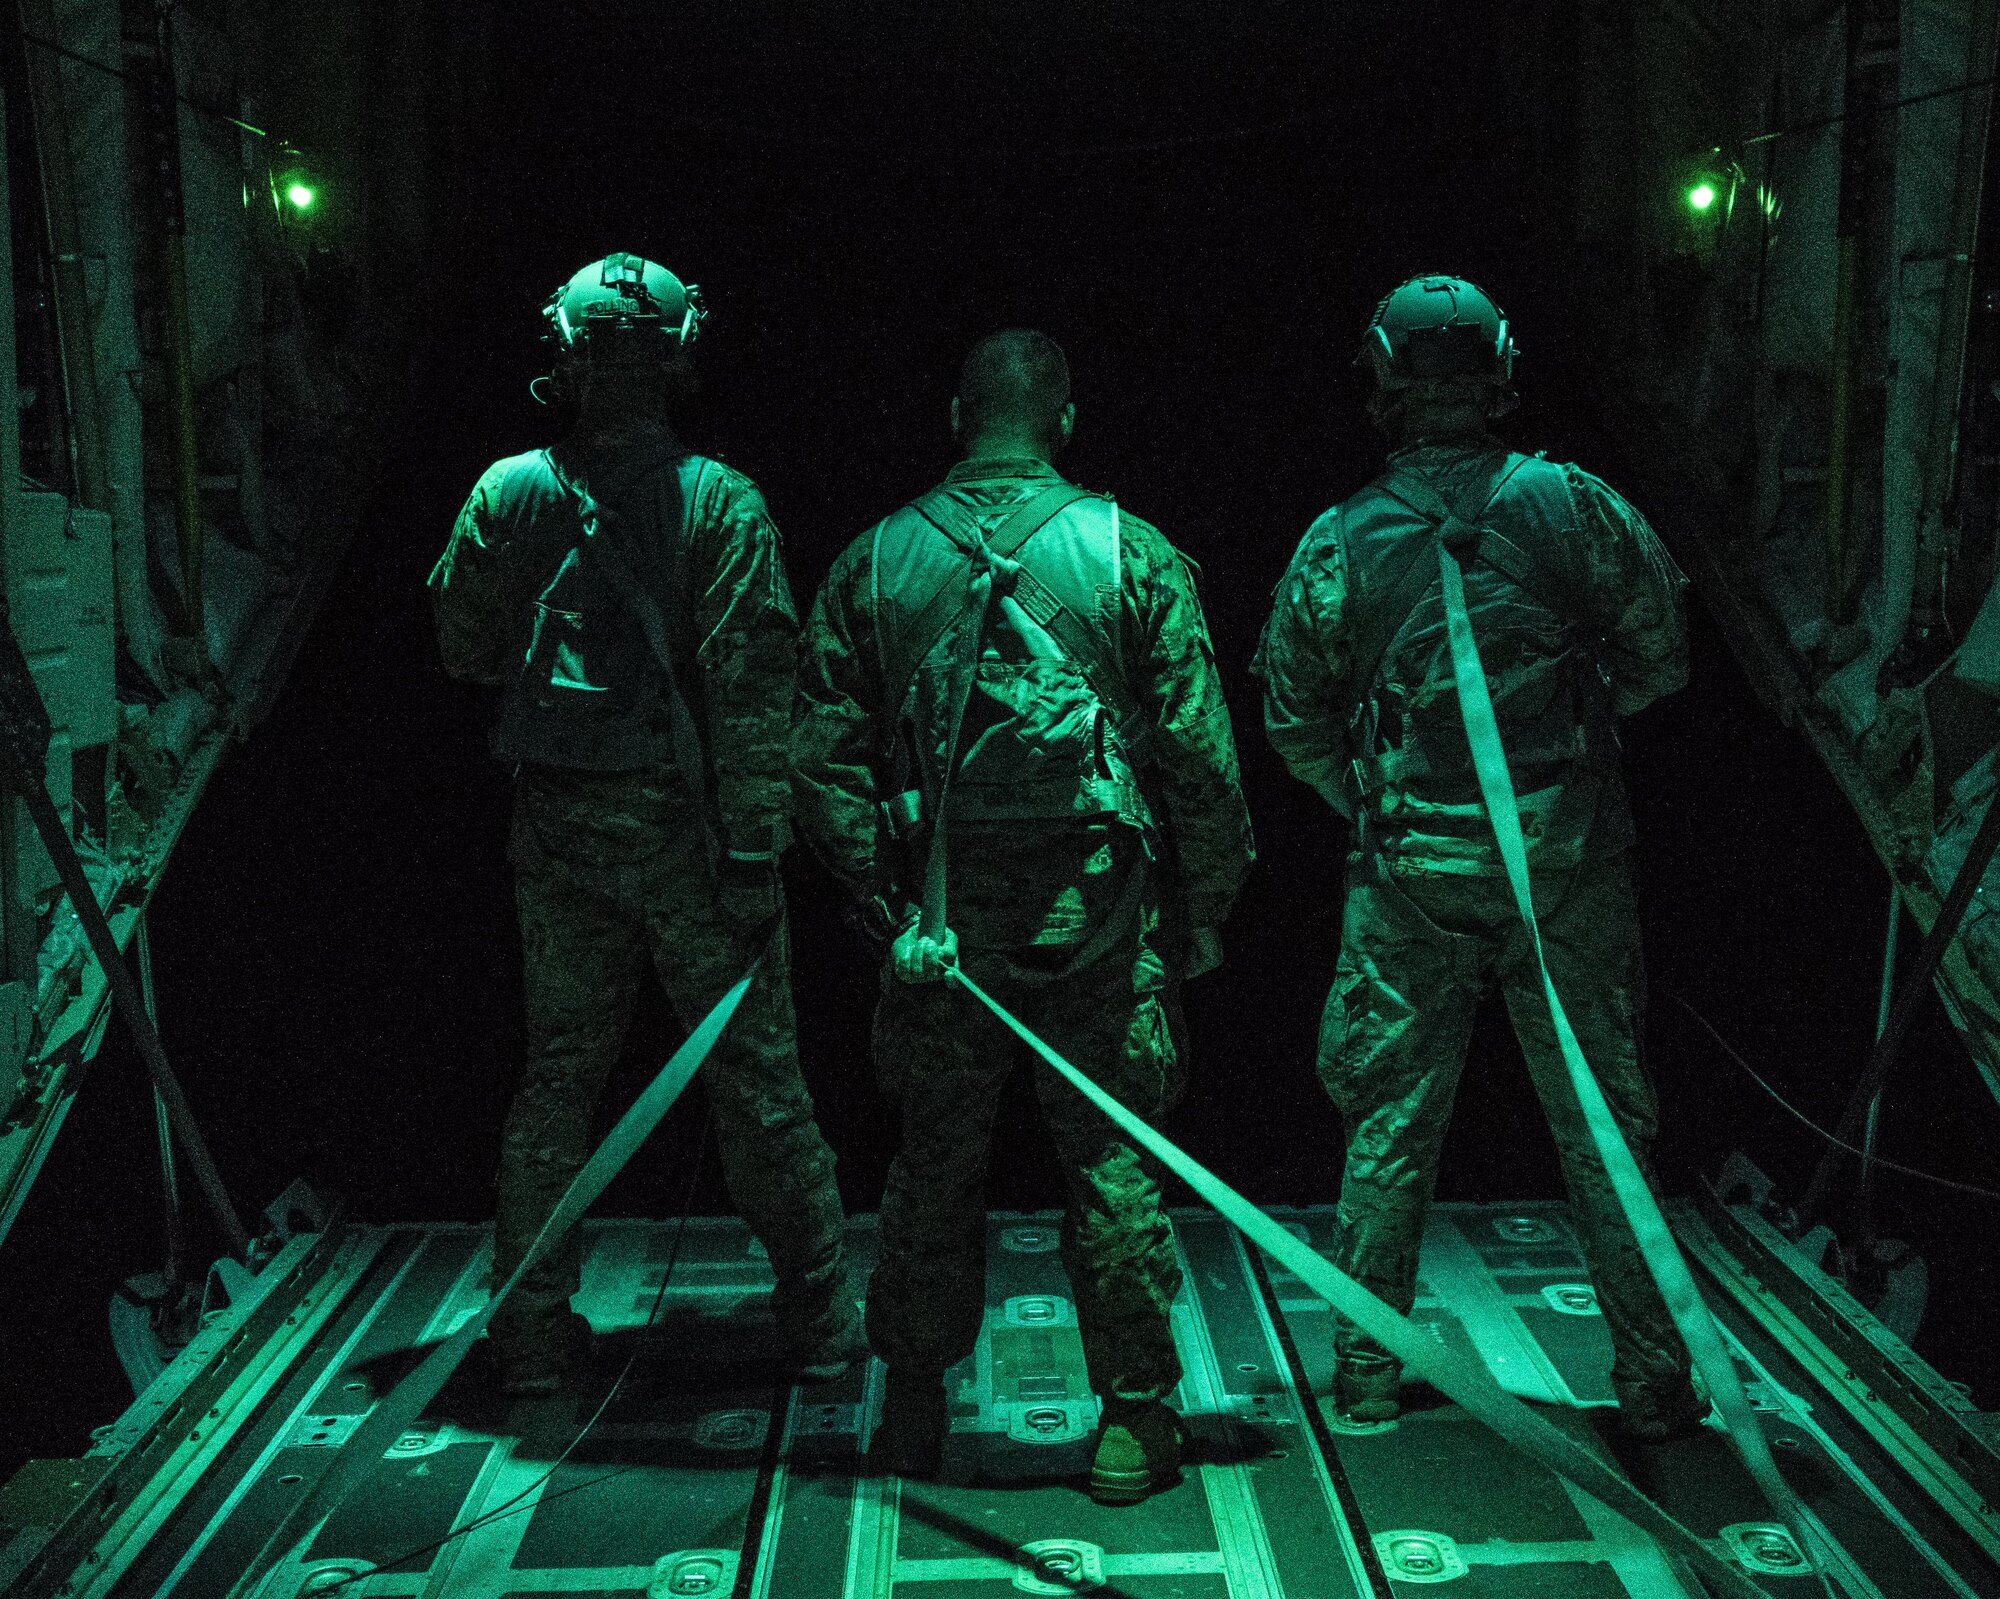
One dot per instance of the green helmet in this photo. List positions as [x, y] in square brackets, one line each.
[623, 308]
[1435, 335]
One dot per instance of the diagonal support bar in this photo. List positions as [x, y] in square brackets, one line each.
[1915, 985]
[124, 991]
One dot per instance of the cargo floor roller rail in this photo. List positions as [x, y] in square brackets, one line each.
[710, 1474]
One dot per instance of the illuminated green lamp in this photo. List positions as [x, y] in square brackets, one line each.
[294, 184]
[1699, 198]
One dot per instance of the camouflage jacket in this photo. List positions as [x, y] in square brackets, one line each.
[844, 708]
[1313, 707]
[717, 566]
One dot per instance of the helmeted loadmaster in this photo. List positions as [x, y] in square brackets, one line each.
[1577, 613]
[629, 600]
[1013, 751]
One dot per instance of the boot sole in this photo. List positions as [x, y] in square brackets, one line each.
[1124, 1487]
[825, 1370]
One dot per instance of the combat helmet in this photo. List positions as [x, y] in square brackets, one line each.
[622, 309]
[1436, 337]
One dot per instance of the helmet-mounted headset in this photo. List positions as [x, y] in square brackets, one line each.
[622, 309]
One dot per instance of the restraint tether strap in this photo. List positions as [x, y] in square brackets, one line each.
[1635, 1197]
[403, 1404]
[1448, 1370]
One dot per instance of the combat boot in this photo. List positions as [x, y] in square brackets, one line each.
[1663, 1409]
[539, 1360]
[909, 1439]
[829, 1348]
[1365, 1388]
[1138, 1452]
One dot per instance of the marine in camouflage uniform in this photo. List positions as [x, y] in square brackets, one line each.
[1078, 916]
[627, 842]
[1363, 706]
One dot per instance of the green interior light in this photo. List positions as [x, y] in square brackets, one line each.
[301, 195]
[1701, 196]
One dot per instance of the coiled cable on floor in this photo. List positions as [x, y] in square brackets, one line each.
[647, 1343]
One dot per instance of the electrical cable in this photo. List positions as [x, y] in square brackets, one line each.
[108, 70]
[1892, 105]
[1889, 1165]
[416, 1391]
[647, 1344]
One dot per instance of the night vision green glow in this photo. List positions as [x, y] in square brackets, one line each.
[301, 195]
[1702, 196]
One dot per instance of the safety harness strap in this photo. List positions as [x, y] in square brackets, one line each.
[604, 546]
[1384, 611]
[403, 1404]
[1447, 1369]
[986, 557]
[964, 665]
[903, 654]
[1635, 1197]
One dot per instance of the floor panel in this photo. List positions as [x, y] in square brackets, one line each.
[704, 1474]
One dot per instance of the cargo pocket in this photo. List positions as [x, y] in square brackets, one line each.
[1337, 1025]
[1153, 1072]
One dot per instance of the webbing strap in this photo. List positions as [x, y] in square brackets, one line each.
[1026, 520]
[404, 1403]
[1450, 1371]
[1388, 605]
[1635, 1198]
[902, 655]
[603, 544]
[964, 666]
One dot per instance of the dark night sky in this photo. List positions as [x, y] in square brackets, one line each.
[337, 962]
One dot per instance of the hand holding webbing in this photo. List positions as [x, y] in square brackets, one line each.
[920, 957]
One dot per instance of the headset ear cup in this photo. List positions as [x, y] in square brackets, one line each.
[1381, 353]
[565, 381]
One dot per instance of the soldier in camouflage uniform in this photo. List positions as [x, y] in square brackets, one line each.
[630, 600]
[1095, 836]
[1577, 611]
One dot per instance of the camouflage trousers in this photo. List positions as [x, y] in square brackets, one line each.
[943, 1060]
[1417, 951]
[608, 869]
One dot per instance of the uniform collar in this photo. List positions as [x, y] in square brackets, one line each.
[601, 446]
[987, 467]
[1455, 447]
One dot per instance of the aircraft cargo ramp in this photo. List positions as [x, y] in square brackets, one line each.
[706, 1475]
